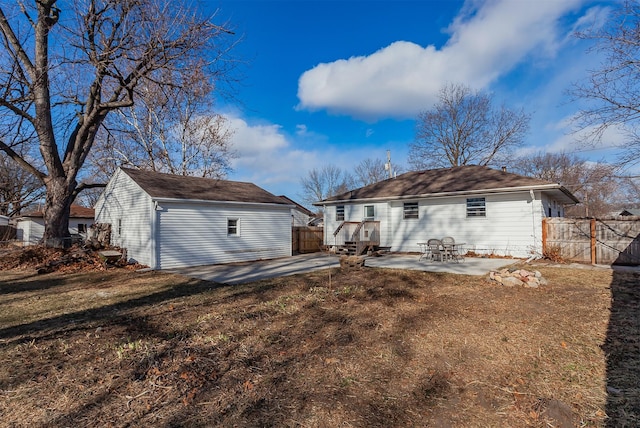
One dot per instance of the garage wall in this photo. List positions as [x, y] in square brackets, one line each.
[128, 209]
[193, 234]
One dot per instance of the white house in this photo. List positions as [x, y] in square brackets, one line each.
[30, 227]
[491, 211]
[167, 221]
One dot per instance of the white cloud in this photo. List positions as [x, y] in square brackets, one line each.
[487, 40]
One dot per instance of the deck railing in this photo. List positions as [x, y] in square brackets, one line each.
[366, 232]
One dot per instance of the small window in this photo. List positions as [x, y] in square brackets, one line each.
[340, 213]
[232, 226]
[369, 212]
[119, 227]
[82, 228]
[410, 210]
[476, 207]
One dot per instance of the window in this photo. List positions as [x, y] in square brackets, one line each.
[476, 207]
[549, 211]
[340, 213]
[410, 210]
[369, 212]
[233, 226]
[82, 228]
[119, 227]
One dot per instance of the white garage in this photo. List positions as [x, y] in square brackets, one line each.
[167, 221]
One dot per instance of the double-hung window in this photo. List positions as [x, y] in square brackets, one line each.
[476, 207]
[410, 210]
[369, 212]
[340, 213]
[233, 226]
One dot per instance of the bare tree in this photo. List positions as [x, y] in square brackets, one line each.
[464, 128]
[19, 189]
[64, 78]
[169, 130]
[370, 171]
[323, 183]
[595, 184]
[613, 90]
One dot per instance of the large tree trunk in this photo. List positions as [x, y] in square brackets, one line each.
[56, 212]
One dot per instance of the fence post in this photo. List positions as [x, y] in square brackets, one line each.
[544, 236]
[593, 241]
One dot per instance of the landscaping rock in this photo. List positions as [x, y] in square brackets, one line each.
[518, 277]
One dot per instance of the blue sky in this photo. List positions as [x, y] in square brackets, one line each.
[335, 82]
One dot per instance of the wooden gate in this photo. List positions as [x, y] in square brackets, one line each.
[604, 241]
[306, 239]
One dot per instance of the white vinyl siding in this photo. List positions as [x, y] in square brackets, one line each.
[125, 206]
[193, 234]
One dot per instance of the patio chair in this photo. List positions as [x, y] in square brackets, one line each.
[435, 249]
[450, 248]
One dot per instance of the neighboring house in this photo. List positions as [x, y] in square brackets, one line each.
[168, 221]
[300, 216]
[30, 227]
[630, 212]
[4, 220]
[492, 211]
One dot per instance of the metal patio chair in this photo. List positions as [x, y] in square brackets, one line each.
[435, 249]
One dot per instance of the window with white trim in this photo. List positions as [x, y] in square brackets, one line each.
[369, 212]
[410, 210]
[476, 207]
[233, 226]
[340, 213]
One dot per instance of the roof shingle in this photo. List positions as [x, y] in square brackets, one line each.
[468, 178]
[169, 186]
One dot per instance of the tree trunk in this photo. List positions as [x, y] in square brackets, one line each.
[56, 213]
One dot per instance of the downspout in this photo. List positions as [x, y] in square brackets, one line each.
[536, 254]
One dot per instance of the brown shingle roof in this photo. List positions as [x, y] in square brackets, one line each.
[469, 178]
[76, 211]
[160, 185]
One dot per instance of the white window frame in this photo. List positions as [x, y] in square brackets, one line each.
[373, 209]
[411, 211]
[477, 207]
[231, 227]
[339, 212]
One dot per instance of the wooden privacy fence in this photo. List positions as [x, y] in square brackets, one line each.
[602, 241]
[306, 239]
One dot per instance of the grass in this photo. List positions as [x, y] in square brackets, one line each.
[377, 348]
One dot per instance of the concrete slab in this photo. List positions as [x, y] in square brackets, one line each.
[240, 273]
[470, 265]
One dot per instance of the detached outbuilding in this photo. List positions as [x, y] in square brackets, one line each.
[30, 227]
[167, 221]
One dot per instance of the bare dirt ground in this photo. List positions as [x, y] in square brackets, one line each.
[359, 348]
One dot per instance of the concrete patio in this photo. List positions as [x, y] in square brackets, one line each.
[239, 273]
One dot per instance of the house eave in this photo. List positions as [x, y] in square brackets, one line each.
[210, 202]
[545, 187]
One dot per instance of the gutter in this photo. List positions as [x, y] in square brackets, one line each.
[210, 202]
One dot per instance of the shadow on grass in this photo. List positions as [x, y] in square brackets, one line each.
[622, 351]
[65, 323]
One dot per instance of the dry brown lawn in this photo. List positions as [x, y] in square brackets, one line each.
[359, 348]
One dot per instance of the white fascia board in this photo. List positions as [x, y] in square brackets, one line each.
[208, 202]
[543, 187]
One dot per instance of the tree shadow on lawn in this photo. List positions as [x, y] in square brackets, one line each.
[622, 350]
[66, 323]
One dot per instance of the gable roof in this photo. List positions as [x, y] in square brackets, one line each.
[168, 186]
[76, 211]
[630, 212]
[468, 179]
[298, 206]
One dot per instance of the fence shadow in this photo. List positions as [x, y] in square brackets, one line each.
[622, 348]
